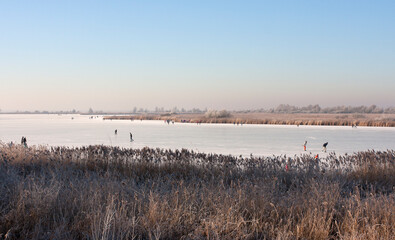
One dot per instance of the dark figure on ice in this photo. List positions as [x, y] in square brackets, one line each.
[131, 137]
[24, 141]
[324, 147]
[116, 131]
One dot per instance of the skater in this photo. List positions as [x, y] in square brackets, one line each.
[316, 157]
[324, 146]
[116, 131]
[131, 136]
[24, 141]
[304, 145]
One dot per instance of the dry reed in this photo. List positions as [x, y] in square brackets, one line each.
[273, 119]
[100, 192]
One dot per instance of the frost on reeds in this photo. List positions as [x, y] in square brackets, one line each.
[100, 192]
[225, 117]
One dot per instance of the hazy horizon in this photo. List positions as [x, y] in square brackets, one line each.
[282, 108]
[113, 56]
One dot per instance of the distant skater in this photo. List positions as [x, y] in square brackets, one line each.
[116, 131]
[131, 136]
[316, 157]
[324, 146]
[24, 141]
[304, 145]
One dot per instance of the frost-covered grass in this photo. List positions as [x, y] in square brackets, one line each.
[320, 119]
[100, 192]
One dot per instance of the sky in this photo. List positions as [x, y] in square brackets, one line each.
[117, 55]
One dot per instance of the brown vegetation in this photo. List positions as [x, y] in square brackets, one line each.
[373, 120]
[100, 192]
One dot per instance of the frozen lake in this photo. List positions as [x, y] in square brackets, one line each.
[79, 130]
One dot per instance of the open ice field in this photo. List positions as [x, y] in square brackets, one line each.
[259, 140]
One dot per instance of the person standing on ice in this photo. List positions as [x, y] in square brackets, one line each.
[304, 145]
[324, 146]
[24, 141]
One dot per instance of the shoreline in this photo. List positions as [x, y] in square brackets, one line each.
[365, 120]
[311, 153]
[307, 153]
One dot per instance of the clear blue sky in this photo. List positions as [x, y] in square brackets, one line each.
[114, 55]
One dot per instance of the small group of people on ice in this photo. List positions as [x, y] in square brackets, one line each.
[316, 156]
[323, 146]
[130, 135]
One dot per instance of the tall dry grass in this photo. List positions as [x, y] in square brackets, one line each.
[100, 192]
[273, 119]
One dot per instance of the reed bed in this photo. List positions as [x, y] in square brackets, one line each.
[101, 192]
[273, 119]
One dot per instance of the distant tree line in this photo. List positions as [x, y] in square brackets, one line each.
[45, 112]
[169, 110]
[217, 114]
[282, 108]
